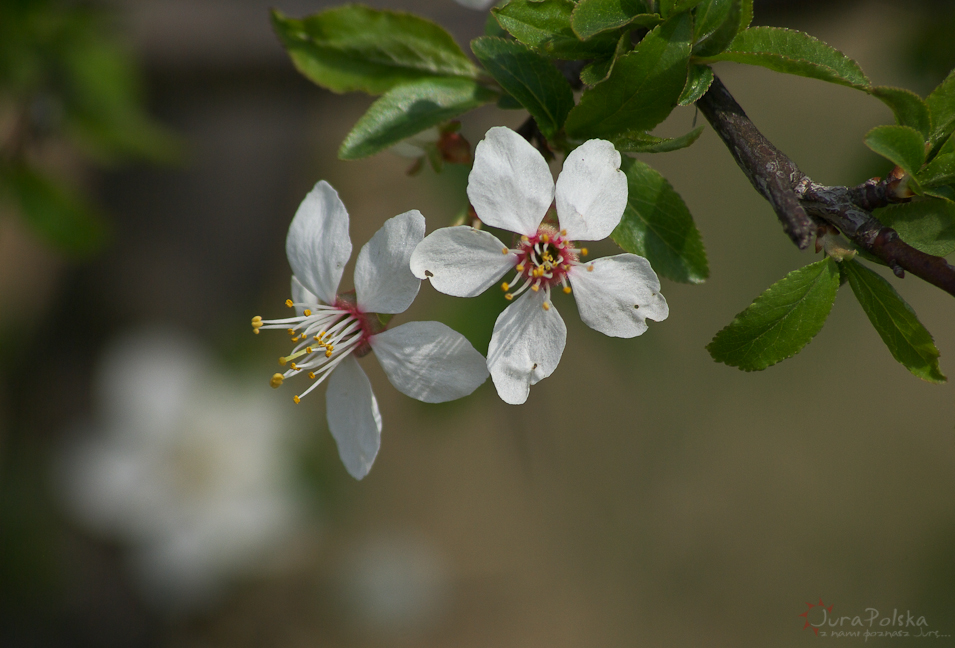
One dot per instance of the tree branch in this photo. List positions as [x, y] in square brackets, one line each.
[797, 200]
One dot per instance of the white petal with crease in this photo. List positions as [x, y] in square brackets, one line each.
[619, 295]
[461, 261]
[510, 185]
[525, 347]
[317, 245]
[591, 191]
[383, 282]
[353, 417]
[429, 361]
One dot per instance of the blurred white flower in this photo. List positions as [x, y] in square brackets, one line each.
[480, 5]
[190, 470]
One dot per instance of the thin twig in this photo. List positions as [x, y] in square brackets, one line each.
[797, 200]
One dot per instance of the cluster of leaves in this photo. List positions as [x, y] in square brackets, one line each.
[64, 77]
[635, 62]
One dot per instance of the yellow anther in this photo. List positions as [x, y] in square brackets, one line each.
[294, 366]
[563, 232]
[295, 339]
[256, 331]
[308, 349]
[583, 251]
[505, 286]
[289, 303]
[257, 321]
[291, 331]
[328, 353]
[567, 290]
[520, 267]
[545, 238]
[590, 268]
[525, 239]
[282, 361]
[546, 306]
[508, 296]
[311, 374]
[535, 287]
[296, 399]
[503, 250]
[307, 312]
[276, 381]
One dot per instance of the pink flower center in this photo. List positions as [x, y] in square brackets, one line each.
[543, 261]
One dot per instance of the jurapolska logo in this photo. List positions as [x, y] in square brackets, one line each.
[872, 624]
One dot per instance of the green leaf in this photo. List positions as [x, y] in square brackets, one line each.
[642, 142]
[56, 214]
[895, 321]
[940, 171]
[592, 17]
[716, 25]
[409, 109]
[599, 70]
[783, 320]
[670, 7]
[901, 145]
[545, 26]
[745, 14]
[697, 83]
[908, 107]
[927, 225]
[793, 52]
[657, 225]
[528, 77]
[643, 86]
[941, 104]
[354, 48]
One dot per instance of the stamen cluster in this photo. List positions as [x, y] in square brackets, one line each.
[544, 261]
[324, 336]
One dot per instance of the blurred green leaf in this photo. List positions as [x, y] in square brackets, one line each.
[908, 107]
[927, 225]
[642, 142]
[941, 103]
[697, 83]
[528, 77]
[355, 48]
[900, 145]
[657, 225]
[781, 321]
[715, 27]
[410, 108]
[643, 86]
[792, 52]
[895, 321]
[592, 17]
[59, 216]
[545, 26]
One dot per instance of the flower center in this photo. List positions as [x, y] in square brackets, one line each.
[323, 336]
[543, 261]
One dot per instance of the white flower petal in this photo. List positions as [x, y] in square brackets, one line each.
[353, 417]
[591, 191]
[302, 295]
[510, 185]
[618, 295]
[429, 361]
[526, 346]
[317, 245]
[461, 261]
[383, 281]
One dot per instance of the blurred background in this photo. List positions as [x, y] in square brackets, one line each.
[155, 492]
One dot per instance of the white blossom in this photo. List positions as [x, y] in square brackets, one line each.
[191, 471]
[424, 360]
[479, 5]
[511, 188]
